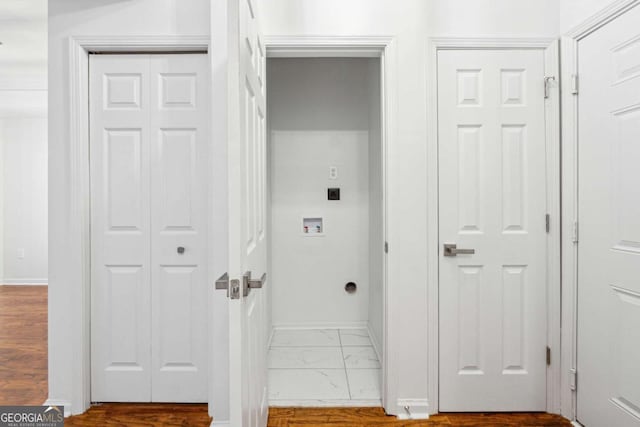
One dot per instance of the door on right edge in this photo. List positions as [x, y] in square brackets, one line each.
[492, 207]
[608, 353]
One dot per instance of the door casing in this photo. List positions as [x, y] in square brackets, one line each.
[364, 46]
[552, 129]
[79, 337]
[570, 44]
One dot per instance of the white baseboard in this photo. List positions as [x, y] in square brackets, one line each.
[320, 325]
[337, 403]
[25, 282]
[215, 423]
[576, 424]
[58, 402]
[374, 341]
[413, 409]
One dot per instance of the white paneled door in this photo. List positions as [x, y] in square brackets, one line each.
[492, 200]
[247, 184]
[148, 148]
[609, 224]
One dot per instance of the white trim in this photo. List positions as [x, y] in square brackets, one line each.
[141, 43]
[362, 46]
[79, 232]
[569, 62]
[552, 110]
[457, 43]
[554, 288]
[325, 46]
[338, 403]
[413, 409]
[569, 215]
[25, 282]
[57, 402]
[601, 18]
[319, 325]
[219, 423]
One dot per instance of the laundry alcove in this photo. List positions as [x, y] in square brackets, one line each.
[325, 168]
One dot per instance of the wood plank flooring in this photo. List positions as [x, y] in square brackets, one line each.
[23, 345]
[23, 381]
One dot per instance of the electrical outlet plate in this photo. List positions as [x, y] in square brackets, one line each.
[333, 172]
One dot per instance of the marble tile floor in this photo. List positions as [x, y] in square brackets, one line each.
[323, 367]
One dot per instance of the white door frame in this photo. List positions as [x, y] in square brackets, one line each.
[361, 46]
[549, 47]
[79, 49]
[569, 54]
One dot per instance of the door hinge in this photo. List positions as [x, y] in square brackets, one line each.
[547, 222]
[548, 356]
[386, 247]
[547, 84]
[573, 379]
[575, 232]
[574, 84]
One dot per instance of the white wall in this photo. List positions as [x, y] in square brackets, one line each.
[24, 178]
[376, 208]
[2, 181]
[411, 22]
[574, 12]
[521, 18]
[81, 18]
[319, 117]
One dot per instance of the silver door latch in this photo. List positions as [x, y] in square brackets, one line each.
[231, 286]
[451, 249]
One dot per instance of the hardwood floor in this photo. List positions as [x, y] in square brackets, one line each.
[23, 381]
[375, 417]
[23, 345]
[142, 415]
[147, 415]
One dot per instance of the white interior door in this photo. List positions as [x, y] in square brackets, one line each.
[492, 199]
[247, 269]
[609, 220]
[149, 135]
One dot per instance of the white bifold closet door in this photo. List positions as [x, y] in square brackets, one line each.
[609, 225]
[148, 148]
[492, 199]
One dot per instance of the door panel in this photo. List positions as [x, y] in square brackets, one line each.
[609, 213]
[492, 198]
[120, 230]
[179, 106]
[248, 331]
[148, 198]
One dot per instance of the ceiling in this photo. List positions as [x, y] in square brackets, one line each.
[23, 56]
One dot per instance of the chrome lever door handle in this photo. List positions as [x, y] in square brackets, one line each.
[223, 282]
[451, 249]
[249, 283]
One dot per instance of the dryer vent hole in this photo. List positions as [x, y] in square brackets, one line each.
[350, 288]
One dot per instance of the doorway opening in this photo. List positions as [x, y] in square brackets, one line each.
[326, 212]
